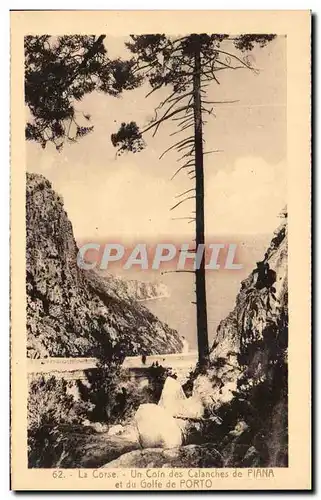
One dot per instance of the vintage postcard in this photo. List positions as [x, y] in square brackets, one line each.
[160, 250]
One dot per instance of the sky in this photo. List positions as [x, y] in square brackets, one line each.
[131, 195]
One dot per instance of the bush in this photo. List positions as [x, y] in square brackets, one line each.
[52, 413]
[260, 401]
[114, 398]
[101, 391]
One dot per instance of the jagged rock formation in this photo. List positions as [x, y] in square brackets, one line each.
[249, 334]
[71, 312]
[247, 377]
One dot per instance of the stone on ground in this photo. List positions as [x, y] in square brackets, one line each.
[157, 428]
[127, 432]
[186, 457]
[130, 432]
[115, 430]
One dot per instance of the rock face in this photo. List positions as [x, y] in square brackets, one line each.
[157, 428]
[71, 312]
[247, 377]
[255, 331]
[186, 456]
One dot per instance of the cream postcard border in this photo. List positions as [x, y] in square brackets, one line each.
[296, 26]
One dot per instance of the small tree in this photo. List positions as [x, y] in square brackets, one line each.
[187, 65]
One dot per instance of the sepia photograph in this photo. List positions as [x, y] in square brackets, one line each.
[156, 194]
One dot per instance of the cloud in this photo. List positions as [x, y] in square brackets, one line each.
[128, 203]
[246, 200]
[132, 202]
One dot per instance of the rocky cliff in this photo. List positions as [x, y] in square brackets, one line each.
[134, 289]
[249, 333]
[246, 382]
[71, 312]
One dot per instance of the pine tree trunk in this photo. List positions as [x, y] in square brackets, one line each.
[202, 333]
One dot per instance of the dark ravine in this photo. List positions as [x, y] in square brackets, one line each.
[71, 312]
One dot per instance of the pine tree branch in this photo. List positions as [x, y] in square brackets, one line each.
[214, 151]
[182, 201]
[182, 218]
[141, 68]
[181, 168]
[168, 110]
[183, 142]
[169, 98]
[181, 130]
[185, 192]
[154, 90]
[186, 154]
[177, 171]
[178, 271]
[184, 119]
[184, 95]
[189, 117]
[215, 59]
[227, 66]
[220, 102]
[154, 124]
[185, 146]
[233, 56]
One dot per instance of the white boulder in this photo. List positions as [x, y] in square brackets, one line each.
[172, 397]
[176, 403]
[157, 428]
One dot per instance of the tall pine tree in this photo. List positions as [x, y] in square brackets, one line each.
[187, 66]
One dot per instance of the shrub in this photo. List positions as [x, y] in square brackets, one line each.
[52, 413]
